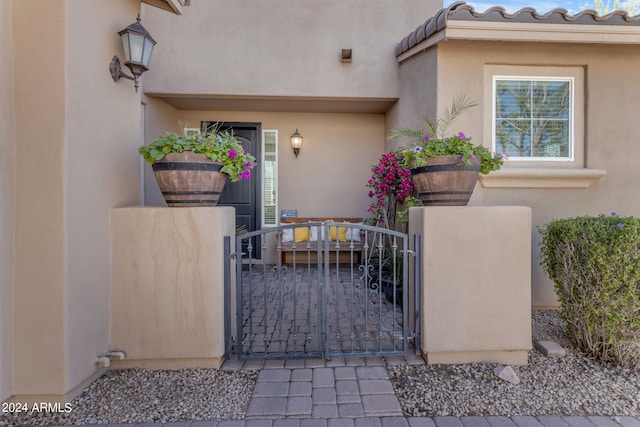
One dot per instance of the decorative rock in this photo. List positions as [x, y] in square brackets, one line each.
[575, 385]
[550, 349]
[506, 373]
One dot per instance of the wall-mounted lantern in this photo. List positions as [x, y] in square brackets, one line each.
[296, 142]
[137, 45]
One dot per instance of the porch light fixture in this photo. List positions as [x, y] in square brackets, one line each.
[296, 142]
[137, 45]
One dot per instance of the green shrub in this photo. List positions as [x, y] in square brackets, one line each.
[594, 263]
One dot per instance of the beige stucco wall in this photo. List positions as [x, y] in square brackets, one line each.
[282, 47]
[7, 170]
[476, 277]
[329, 176]
[104, 126]
[167, 278]
[417, 89]
[40, 349]
[611, 126]
[76, 134]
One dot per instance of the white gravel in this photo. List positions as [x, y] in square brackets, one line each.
[572, 385]
[145, 396]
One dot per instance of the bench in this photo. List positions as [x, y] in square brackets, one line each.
[286, 245]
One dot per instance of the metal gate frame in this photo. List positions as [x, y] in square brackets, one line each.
[255, 335]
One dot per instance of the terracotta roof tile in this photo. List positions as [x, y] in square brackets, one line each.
[461, 11]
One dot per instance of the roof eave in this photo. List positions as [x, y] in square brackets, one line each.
[174, 6]
[527, 32]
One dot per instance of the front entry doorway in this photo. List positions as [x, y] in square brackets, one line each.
[243, 195]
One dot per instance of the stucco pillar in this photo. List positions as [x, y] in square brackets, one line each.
[476, 283]
[7, 189]
[167, 282]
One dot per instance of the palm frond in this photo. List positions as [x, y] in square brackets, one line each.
[459, 105]
[436, 128]
[415, 134]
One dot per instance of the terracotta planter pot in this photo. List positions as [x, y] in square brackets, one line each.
[189, 180]
[443, 183]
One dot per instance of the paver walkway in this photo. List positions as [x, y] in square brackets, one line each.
[340, 388]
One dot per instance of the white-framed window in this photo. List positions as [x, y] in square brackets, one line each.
[533, 117]
[269, 177]
[536, 115]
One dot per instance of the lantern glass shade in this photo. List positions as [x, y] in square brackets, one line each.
[296, 142]
[125, 47]
[137, 46]
[146, 52]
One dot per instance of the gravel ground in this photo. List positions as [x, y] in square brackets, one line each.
[572, 385]
[140, 395]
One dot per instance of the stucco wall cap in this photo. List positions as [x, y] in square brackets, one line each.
[461, 11]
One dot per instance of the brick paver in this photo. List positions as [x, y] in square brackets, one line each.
[421, 422]
[500, 422]
[381, 404]
[602, 421]
[447, 422]
[628, 421]
[577, 421]
[475, 422]
[394, 422]
[368, 422]
[552, 421]
[524, 421]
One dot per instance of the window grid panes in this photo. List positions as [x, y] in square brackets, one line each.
[270, 177]
[533, 118]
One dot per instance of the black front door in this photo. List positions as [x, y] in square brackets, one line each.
[243, 194]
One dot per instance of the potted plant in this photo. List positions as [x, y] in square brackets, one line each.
[445, 168]
[191, 170]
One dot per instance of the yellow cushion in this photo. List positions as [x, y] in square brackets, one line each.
[301, 234]
[338, 233]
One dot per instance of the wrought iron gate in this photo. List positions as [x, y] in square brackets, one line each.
[320, 290]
